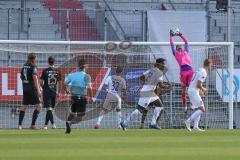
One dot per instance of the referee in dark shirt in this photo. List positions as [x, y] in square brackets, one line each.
[31, 90]
[50, 79]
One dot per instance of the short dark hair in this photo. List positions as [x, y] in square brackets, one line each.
[160, 60]
[119, 69]
[207, 62]
[31, 56]
[51, 60]
[81, 63]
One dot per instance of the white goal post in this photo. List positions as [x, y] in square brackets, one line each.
[135, 57]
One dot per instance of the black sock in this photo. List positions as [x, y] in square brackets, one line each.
[47, 118]
[21, 116]
[35, 116]
[143, 118]
[51, 116]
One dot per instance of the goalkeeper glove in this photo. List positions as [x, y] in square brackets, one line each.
[172, 33]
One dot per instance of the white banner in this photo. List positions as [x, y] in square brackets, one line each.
[222, 84]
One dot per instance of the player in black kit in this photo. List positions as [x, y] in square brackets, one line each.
[31, 90]
[50, 79]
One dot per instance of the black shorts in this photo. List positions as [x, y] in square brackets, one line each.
[30, 98]
[157, 103]
[78, 104]
[49, 101]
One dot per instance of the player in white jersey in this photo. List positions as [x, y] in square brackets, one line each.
[194, 91]
[150, 79]
[115, 86]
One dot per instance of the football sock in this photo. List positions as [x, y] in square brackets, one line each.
[156, 113]
[51, 116]
[34, 116]
[100, 117]
[21, 116]
[132, 115]
[196, 121]
[119, 117]
[194, 115]
[47, 118]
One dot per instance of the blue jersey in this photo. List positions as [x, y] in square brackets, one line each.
[78, 82]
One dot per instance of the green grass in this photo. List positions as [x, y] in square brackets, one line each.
[107, 144]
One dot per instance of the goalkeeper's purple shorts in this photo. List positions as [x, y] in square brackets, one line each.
[186, 77]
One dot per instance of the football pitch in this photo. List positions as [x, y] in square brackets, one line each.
[106, 144]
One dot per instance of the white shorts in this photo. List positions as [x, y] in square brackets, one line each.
[195, 99]
[145, 101]
[112, 101]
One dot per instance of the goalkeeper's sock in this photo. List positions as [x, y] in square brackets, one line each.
[156, 113]
[100, 117]
[132, 115]
[35, 116]
[195, 115]
[196, 122]
[47, 118]
[119, 117]
[184, 98]
[21, 117]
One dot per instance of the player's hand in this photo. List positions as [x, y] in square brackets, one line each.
[67, 91]
[204, 90]
[90, 99]
[172, 33]
[40, 95]
[201, 93]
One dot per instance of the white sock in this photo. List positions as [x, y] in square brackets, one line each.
[196, 121]
[195, 115]
[119, 117]
[100, 117]
[132, 115]
[156, 113]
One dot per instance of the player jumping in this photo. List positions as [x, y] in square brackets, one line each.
[116, 88]
[150, 79]
[183, 59]
[194, 91]
[31, 90]
[50, 79]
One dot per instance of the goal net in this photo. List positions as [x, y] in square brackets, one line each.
[102, 59]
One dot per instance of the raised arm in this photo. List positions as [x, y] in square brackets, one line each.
[172, 42]
[186, 46]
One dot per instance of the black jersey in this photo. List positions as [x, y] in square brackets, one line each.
[50, 77]
[27, 73]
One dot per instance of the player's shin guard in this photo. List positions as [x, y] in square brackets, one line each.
[35, 116]
[21, 117]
